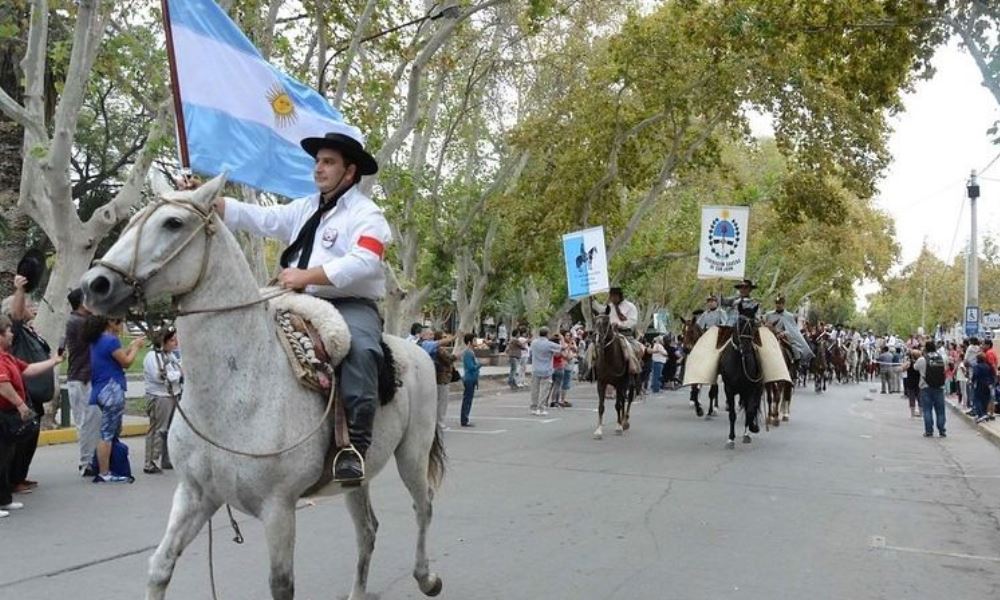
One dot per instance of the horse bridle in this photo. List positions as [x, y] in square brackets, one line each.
[129, 275]
[207, 226]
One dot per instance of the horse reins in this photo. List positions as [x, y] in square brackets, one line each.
[131, 278]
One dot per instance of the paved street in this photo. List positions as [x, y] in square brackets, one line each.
[847, 501]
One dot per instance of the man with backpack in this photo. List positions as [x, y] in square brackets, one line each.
[932, 380]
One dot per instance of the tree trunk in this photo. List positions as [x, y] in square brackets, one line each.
[13, 223]
[74, 259]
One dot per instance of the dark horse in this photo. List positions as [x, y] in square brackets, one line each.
[742, 375]
[838, 359]
[611, 368]
[689, 337]
[779, 393]
[818, 366]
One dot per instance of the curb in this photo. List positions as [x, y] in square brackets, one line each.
[68, 435]
[988, 433]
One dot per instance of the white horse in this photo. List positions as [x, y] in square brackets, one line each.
[241, 393]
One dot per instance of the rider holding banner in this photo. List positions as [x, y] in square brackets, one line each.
[624, 317]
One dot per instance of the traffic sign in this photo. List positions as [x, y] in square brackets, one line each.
[971, 320]
[991, 320]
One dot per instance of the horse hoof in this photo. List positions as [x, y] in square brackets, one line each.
[431, 586]
[754, 428]
[698, 411]
[619, 430]
[784, 417]
[746, 439]
[599, 433]
[626, 426]
[730, 444]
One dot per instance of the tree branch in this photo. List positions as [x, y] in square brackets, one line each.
[352, 50]
[17, 113]
[107, 216]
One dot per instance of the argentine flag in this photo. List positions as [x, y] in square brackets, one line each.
[241, 114]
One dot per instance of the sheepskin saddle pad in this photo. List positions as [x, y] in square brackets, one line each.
[316, 339]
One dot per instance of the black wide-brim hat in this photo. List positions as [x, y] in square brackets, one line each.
[32, 268]
[745, 283]
[351, 148]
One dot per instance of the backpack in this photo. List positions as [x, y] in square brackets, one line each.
[119, 463]
[934, 372]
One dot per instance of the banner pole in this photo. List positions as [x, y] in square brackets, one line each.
[175, 89]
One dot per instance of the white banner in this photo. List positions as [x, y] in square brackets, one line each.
[586, 262]
[723, 250]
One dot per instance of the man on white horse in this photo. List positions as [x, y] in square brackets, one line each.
[337, 240]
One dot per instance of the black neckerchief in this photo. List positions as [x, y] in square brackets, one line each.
[303, 243]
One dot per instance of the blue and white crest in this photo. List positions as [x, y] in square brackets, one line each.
[724, 236]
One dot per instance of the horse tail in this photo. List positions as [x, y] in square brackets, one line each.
[438, 458]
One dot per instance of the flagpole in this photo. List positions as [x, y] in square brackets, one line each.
[175, 89]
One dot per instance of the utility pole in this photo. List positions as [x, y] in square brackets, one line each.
[972, 316]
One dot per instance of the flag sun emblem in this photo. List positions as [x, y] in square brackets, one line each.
[282, 105]
[724, 236]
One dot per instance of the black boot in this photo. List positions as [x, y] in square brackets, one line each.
[349, 464]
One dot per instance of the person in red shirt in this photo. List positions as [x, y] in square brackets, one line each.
[13, 406]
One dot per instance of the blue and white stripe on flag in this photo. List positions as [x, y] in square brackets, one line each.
[241, 114]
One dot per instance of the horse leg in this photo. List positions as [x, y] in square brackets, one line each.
[751, 406]
[412, 462]
[601, 391]
[713, 399]
[731, 407]
[786, 402]
[620, 392]
[365, 527]
[628, 410]
[190, 510]
[695, 392]
[279, 528]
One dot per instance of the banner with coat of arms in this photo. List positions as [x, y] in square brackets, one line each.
[723, 250]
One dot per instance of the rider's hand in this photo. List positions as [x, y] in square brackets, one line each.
[20, 281]
[293, 279]
[187, 182]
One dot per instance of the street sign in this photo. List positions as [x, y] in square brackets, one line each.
[971, 320]
[991, 320]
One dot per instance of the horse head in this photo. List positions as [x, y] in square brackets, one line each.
[159, 252]
[602, 327]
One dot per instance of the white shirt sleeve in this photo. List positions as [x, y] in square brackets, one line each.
[364, 260]
[279, 221]
[631, 315]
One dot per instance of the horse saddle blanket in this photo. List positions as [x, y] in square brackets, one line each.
[314, 335]
[633, 350]
[702, 364]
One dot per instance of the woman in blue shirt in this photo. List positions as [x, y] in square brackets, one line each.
[108, 361]
[470, 378]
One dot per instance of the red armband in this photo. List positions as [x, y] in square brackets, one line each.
[372, 245]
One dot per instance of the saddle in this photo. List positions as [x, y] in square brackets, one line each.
[316, 339]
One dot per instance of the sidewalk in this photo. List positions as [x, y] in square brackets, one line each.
[989, 430]
[138, 425]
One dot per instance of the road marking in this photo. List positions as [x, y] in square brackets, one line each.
[557, 410]
[529, 419]
[475, 431]
[878, 542]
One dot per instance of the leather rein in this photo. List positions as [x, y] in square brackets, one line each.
[209, 227]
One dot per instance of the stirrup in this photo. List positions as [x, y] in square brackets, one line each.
[349, 482]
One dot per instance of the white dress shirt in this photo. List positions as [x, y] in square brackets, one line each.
[350, 240]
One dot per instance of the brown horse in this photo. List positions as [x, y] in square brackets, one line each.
[838, 359]
[779, 393]
[689, 336]
[611, 368]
